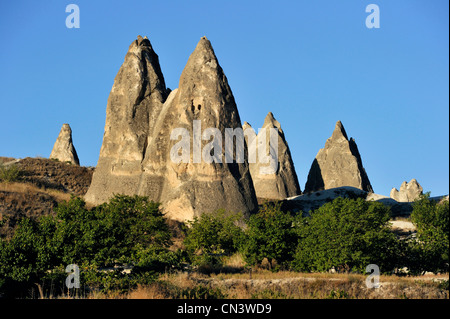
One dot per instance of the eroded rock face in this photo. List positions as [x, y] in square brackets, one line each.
[338, 164]
[409, 192]
[63, 149]
[283, 182]
[135, 155]
[134, 103]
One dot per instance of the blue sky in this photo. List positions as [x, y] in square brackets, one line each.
[311, 63]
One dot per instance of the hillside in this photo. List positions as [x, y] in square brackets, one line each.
[41, 185]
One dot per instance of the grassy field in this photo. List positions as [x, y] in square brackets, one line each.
[263, 284]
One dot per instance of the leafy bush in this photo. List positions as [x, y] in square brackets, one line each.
[127, 230]
[114, 232]
[347, 234]
[9, 174]
[270, 234]
[431, 251]
[212, 236]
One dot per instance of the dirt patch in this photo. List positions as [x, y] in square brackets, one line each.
[46, 173]
[29, 203]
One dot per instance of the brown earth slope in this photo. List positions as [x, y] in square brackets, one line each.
[41, 185]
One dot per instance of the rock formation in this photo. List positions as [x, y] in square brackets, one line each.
[338, 164]
[282, 183]
[141, 118]
[63, 150]
[136, 98]
[409, 192]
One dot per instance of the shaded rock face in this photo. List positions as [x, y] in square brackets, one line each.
[63, 149]
[135, 155]
[283, 183]
[338, 164]
[409, 192]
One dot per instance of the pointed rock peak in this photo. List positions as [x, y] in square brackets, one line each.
[204, 44]
[141, 44]
[271, 121]
[203, 54]
[338, 164]
[246, 125]
[283, 182]
[63, 150]
[143, 41]
[66, 128]
[339, 131]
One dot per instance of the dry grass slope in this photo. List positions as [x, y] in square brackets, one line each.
[289, 285]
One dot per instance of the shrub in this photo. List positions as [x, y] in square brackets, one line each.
[202, 292]
[212, 236]
[347, 234]
[431, 251]
[270, 234]
[9, 174]
[114, 232]
[127, 230]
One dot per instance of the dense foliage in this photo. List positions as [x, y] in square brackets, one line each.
[127, 230]
[271, 234]
[345, 234]
[431, 251]
[210, 237]
[348, 235]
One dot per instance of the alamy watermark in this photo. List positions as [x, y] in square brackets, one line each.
[73, 19]
[73, 279]
[373, 280]
[260, 147]
[373, 19]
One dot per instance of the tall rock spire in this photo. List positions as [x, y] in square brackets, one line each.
[134, 103]
[63, 150]
[283, 182]
[136, 151]
[338, 164]
[204, 97]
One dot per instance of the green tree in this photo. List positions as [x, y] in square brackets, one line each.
[110, 233]
[212, 235]
[128, 230]
[347, 234]
[270, 234]
[431, 249]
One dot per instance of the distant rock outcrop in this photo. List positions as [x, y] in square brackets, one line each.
[135, 157]
[409, 192]
[338, 164]
[282, 183]
[63, 150]
[309, 202]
